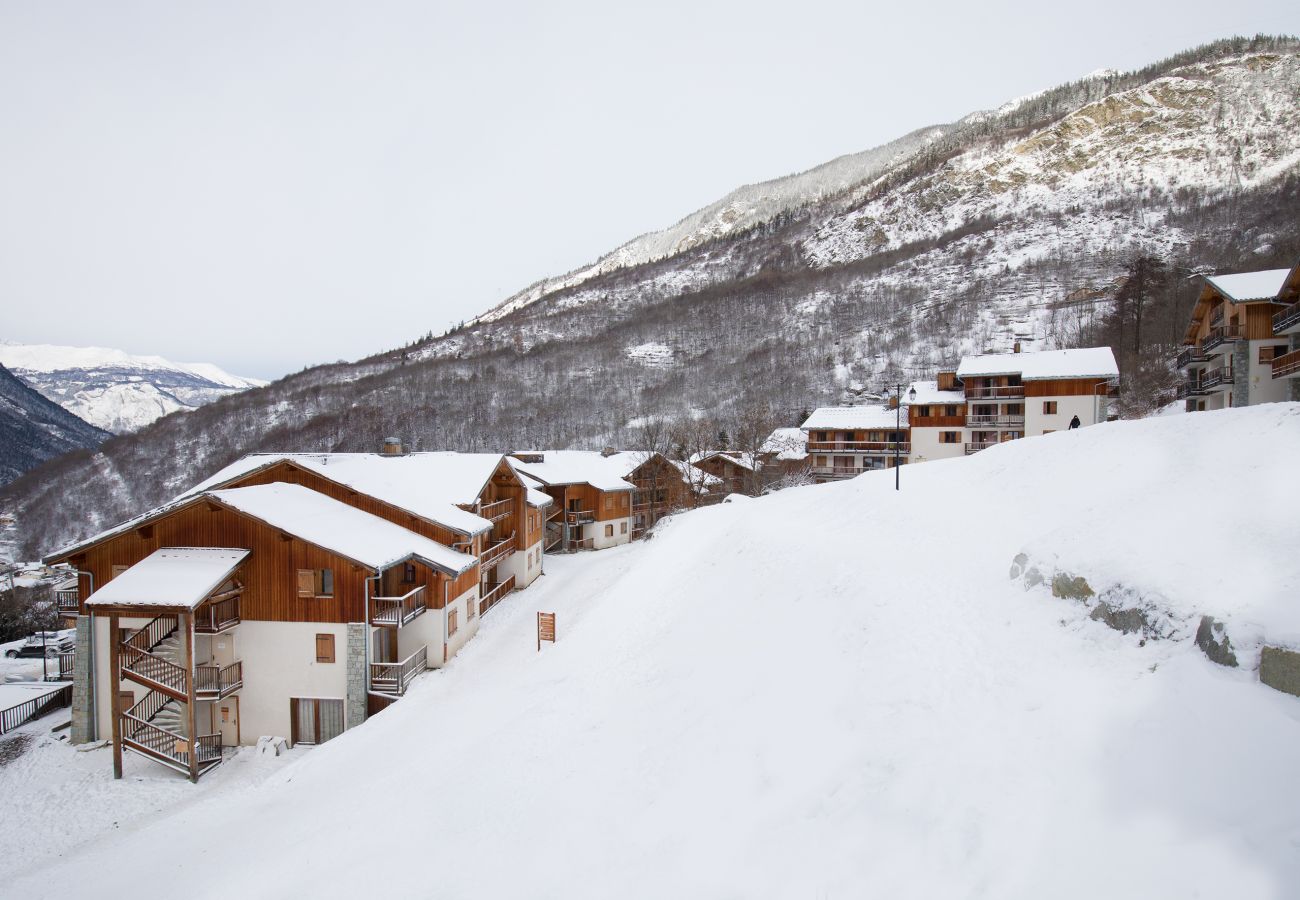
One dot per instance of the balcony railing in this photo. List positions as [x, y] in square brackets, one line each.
[977, 446]
[580, 516]
[67, 602]
[501, 509]
[496, 595]
[397, 610]
[1207, 383]
[216, 617]
[839, 471]
[65, 671]
[997, 391]
[1190, 356]
[497, 552]
[1287, 364]
[995, 421]
[858, 446]
[1221, 334]
[214, 682]
[1287, 318]
[394, 677]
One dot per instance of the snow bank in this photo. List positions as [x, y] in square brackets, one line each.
[834, 691]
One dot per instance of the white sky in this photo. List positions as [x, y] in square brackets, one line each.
[270, 185]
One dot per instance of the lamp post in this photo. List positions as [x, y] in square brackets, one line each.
[898, 426]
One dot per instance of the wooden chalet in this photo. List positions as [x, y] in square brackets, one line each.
[845, 441]
[592, 499]
[1242, 346]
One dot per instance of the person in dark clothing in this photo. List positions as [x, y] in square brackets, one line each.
[1075, 423]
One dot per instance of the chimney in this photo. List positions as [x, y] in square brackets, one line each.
[392, 447]
[527, 456]
[1015, 348]
[608, 451]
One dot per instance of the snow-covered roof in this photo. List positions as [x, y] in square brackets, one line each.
[928, 393]
[429, 485]
[536, 496]
[1040, 365]
[1263, 285]
[787, 444]
[829, 418]
[696, 477]
[605, 473]
[328, 523]
[736, 457]
[171, 576]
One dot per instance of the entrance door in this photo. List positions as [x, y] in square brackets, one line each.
[226, 713]
[315, 721]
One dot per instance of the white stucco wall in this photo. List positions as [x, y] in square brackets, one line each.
[926, 446]
[279, 664]
[1263, 389]
[519, 566]
[596, 531]
[1038, 422]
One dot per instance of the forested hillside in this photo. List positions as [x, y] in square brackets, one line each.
[1014, 225]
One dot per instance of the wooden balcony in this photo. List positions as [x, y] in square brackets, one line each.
[995, 421]
[67, 601]
[887, 447]
[498, 511]
[1007, 391]
[393, 678]
[837, 471]
[977, 446]
[216, 616]
[1191, 356]
[1287, 320]
[1288, 364]
[397, 611]
[215, 682]
[496, 552]
[496, 595]
[1221, 335]
[580, 516]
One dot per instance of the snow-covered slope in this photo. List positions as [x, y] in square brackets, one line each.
[33, 430]
[114, 390]
[834, 691]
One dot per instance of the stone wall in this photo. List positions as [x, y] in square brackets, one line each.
[83, 720]
[356, 662]
[1241, 373]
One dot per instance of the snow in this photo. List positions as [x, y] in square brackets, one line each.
[430, 485]
[1083, 362]
[171, 576]
[15, 693]
[928, 393]
[787, 444]
[558, 467]
[325, 522]
[56, 358]
[830, 418]
[770, 699]
[1262, 285]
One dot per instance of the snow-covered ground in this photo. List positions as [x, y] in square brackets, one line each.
[834, 691]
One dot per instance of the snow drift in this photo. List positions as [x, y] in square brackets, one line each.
[832, 691]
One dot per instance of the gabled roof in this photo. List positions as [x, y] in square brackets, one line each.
[928, 394]
[1043, 365]
[786, 444]
[332, 525]
[1242, 287]
[734, 457]
[561, 467]
[427, 485]
[172, 576]
[830, 418]
[536, 496]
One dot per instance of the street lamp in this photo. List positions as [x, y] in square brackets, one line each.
[898, 425]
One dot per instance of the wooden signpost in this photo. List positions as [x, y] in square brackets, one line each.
[545, 629]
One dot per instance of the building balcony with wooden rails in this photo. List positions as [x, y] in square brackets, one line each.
[995, 420]
[872, 447]
[994, 391]
[397, 612]
[1208, 382]
[1287, 321]
[1287, 365]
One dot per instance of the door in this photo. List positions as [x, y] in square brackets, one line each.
[226, 713]
[315, 721]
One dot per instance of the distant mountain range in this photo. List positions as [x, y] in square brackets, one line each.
[117, 391]
[34, 429]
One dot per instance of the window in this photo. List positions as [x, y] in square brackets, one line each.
[315, 582]
[1049, 407]
[609, 501]
[408, 573]
[118, 570]
[950, 437]
[923, 411]
[951, 410]
[609, 531]
[470, 606]
[315, 721]
[622, 528]
[452, 622]
[324, 648]
[1271, 352]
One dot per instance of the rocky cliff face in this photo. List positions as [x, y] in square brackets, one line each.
[33, 430]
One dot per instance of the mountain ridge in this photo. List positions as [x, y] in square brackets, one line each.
[34, 429]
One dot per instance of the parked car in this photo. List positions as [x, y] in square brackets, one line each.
[50, 643]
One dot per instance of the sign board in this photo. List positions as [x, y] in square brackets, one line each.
[545, 628]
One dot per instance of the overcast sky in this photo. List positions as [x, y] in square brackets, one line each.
[270, 185]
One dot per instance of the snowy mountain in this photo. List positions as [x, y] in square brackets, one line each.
[1010, 225]
[833, 691]
[114, 390]
[33, 429]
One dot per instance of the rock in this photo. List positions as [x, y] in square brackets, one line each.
[1213, 641]
[1125, 620]
[1076, 588]
[1033, 578]
[1280, 669]
[1018, 565]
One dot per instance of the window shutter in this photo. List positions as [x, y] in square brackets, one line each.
[306, 583]
[324, 648]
